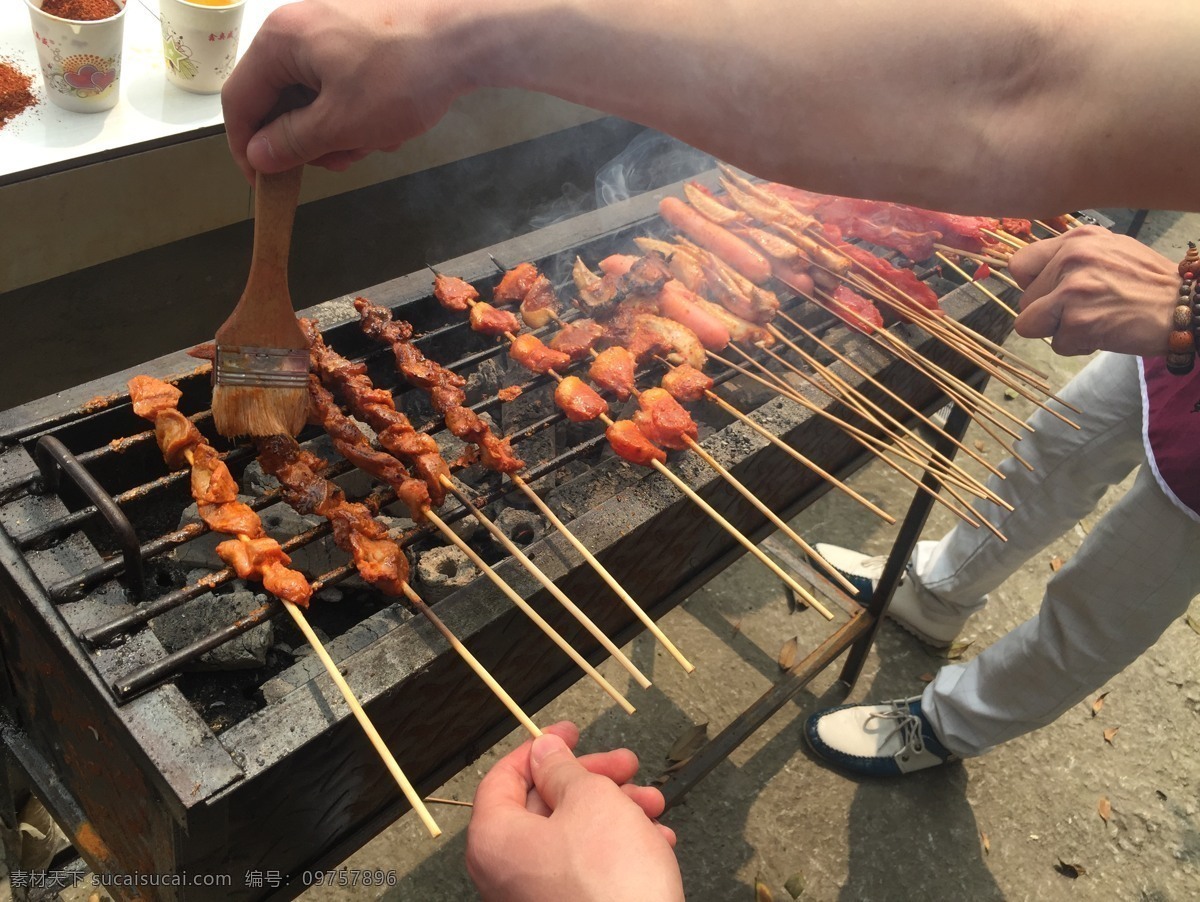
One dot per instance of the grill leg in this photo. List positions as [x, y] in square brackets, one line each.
[857, 635]
[906, 541]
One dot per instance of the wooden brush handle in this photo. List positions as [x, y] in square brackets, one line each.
[264, 317]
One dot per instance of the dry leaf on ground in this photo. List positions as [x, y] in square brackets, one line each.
[1070, 870]
[1104, 809]
[1109, 734]
[688, 743]
[737, 627]
[987, 843]
[953, 653]
[1098, 704]
[926, 677]
[762, 892]
[1056, 563]
[787, 654]
[795, 885]
[1194, 623]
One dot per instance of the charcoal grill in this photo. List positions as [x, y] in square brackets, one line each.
[129, 753]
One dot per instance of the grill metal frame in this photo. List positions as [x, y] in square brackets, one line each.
[146, 787]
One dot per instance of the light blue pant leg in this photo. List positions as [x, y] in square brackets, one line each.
[1072, 470]
[1136, 572]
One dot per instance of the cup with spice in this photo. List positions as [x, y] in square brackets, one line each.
[79, 50]
[200, 42]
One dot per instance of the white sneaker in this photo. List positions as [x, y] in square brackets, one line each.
[864, 571]
[884, 740]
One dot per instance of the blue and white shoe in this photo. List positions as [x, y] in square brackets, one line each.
[863, 571]
[876, 740]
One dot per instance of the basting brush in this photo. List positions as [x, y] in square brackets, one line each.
[260, 377]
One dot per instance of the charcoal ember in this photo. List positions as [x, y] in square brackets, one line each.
[520, 526]
[71, 556]
[202, 615]
[484, 382]
[279, 521]
[443, 571]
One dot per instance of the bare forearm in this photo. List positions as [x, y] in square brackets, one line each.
[1021, 108]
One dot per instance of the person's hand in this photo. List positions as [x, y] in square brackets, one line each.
[380, 72]
[1091, 290]
[548, 826]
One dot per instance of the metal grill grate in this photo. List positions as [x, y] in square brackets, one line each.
[74, 643]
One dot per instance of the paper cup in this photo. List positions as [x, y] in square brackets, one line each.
[200, 41]
[80, 61]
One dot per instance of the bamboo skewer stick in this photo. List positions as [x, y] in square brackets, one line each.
[784, 446]
[480, 671]
[646, 620]
[1006, 279]
[899, 439]
[529, 612]
[923, 460]
[965, 396]
[975, 280]
[776, 521]
[536, 572]
[742, 540]
[436, 800]
[1055, 232]
[883, 447]
[962, 272]
[974, 349]
[364, 721]
[978, 458]
[863, 439]
[874, 412]
[998, 262]
[1010, 240]
[981, 406]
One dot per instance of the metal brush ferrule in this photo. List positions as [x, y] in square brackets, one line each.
[238, 365]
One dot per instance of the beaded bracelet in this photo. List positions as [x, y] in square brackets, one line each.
[1185, 320]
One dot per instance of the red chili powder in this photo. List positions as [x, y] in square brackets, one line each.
[16, 95]
[81, 10]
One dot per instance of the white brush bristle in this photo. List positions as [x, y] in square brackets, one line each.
[241, 410]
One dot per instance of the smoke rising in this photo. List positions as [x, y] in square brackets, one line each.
[651, 160]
